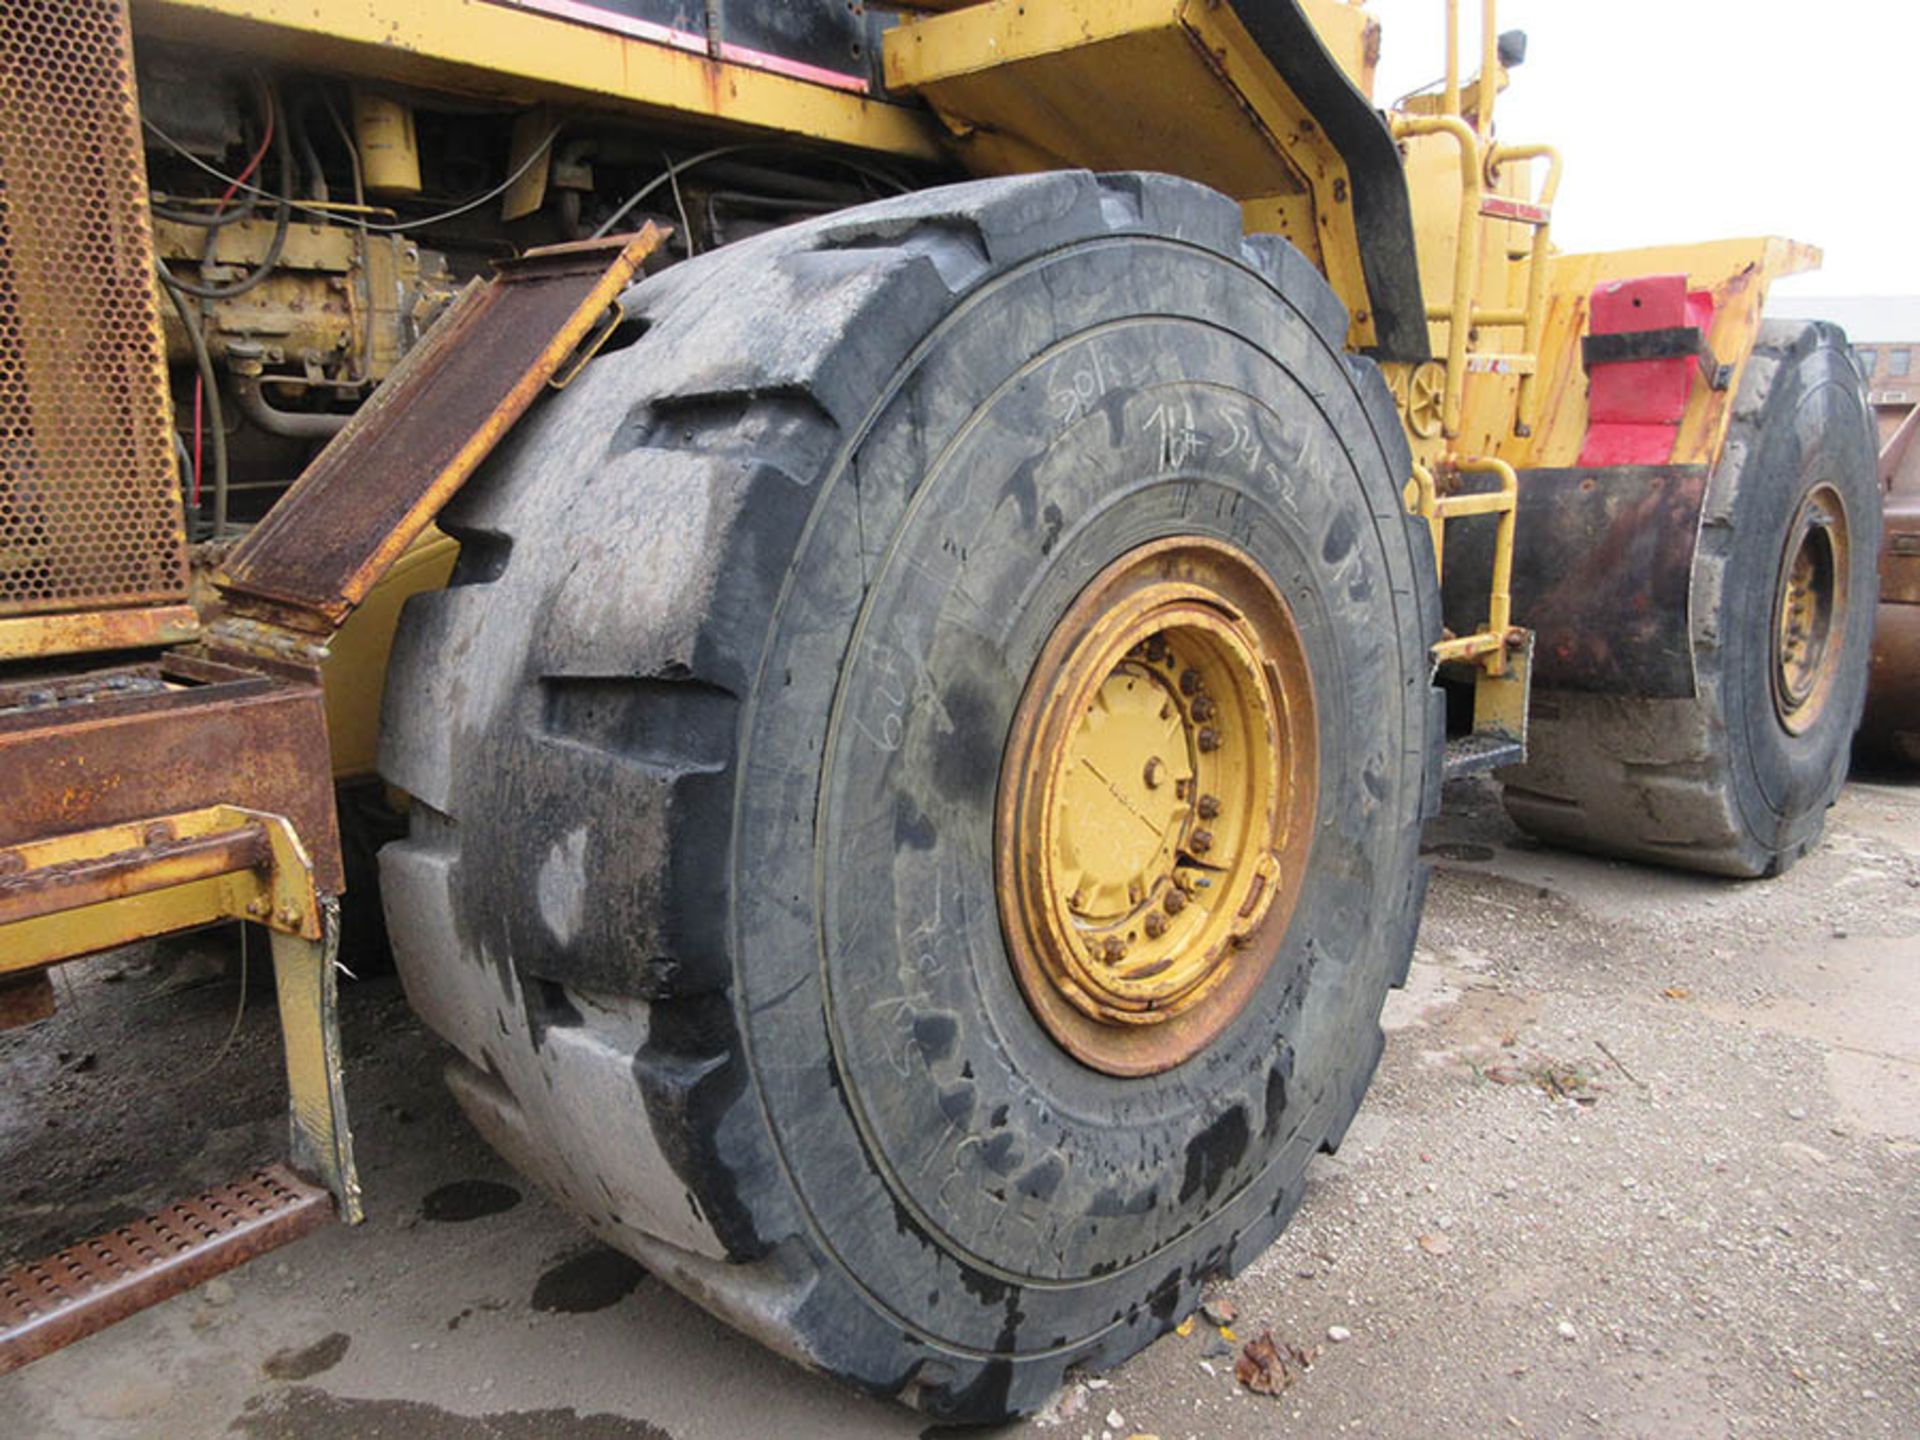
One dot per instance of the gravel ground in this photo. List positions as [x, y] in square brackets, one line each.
[1643, 1158]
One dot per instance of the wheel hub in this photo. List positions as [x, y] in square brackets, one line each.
[1155, 805]
[1809, 610]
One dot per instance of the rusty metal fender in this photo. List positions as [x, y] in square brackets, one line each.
[1602, 572]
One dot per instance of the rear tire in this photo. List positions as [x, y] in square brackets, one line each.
[1736, 780]
[705, 740]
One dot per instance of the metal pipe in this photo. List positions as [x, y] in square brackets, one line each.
[299, 425]
[1489, 66]
[1466, 254]
[1507, 505]
[1450, 100]
[216, 410]
[1527, 402]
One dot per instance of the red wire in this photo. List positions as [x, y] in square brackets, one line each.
[199, 381]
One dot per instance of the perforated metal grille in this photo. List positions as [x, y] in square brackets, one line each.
[89, 504]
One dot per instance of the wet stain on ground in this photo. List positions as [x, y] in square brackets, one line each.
[468, 1200]
[304, 1413]
[303, 1362]
[590, 1280]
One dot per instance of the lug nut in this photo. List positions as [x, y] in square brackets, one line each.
[1156, 925]
[1157, 648]
[1209, 739]
[1176, 901]
[1114, 949]
[1203, 708]
[1208, 807]
[1189, 681]
[1201, 842]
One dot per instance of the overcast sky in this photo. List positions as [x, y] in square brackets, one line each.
[1690, 119]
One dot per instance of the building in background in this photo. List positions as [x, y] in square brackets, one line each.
[1885, 331]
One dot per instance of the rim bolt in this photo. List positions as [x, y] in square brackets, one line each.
[1208, 807]
[1201, 842]
[1176, 901]
[1209, 739]
[1189, 681]
[1156, 925]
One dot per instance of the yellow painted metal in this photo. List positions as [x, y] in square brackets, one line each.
[35, 637]
[389, 149]
[354, 673]
[1026, 87]
[1501, 702]
[1810, 609]
[1161, 776]
[1737, 273]
[169, 893]
[1488, 646]
[320, 1139]
[1466, 252]
[503, 53]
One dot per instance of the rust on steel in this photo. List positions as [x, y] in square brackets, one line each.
[383, 478]
[90, 516]
[1602, 569]
[1891, 723]
[160, 863]
[50, 1303]
[172, 735]
[25, 999]
[35, 637]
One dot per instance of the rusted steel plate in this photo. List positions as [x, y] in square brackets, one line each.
[176, 735]
[1602, 574]
[385, 476]
[50, 1303]
[1892, 720]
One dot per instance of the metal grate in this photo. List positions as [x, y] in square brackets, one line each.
[89, 500]
[45, 1304]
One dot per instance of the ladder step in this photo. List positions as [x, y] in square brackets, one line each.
[1474, 753]
[47, 1304]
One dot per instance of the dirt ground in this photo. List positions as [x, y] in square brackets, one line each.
[1643, 1158]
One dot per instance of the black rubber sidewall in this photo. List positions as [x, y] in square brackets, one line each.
[855, 1045]
[1813, 431]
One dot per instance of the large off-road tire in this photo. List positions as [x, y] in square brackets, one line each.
[706, 739]
[1737, 780]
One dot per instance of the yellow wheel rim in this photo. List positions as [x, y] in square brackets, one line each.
[1810, 610]
[1156, 803]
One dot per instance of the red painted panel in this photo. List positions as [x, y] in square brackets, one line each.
[1634, 407]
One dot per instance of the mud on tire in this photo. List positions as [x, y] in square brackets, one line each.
[704, 742]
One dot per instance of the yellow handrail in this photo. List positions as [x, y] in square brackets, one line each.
[1487, 646]
[1466, 255]
[1535, 320]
